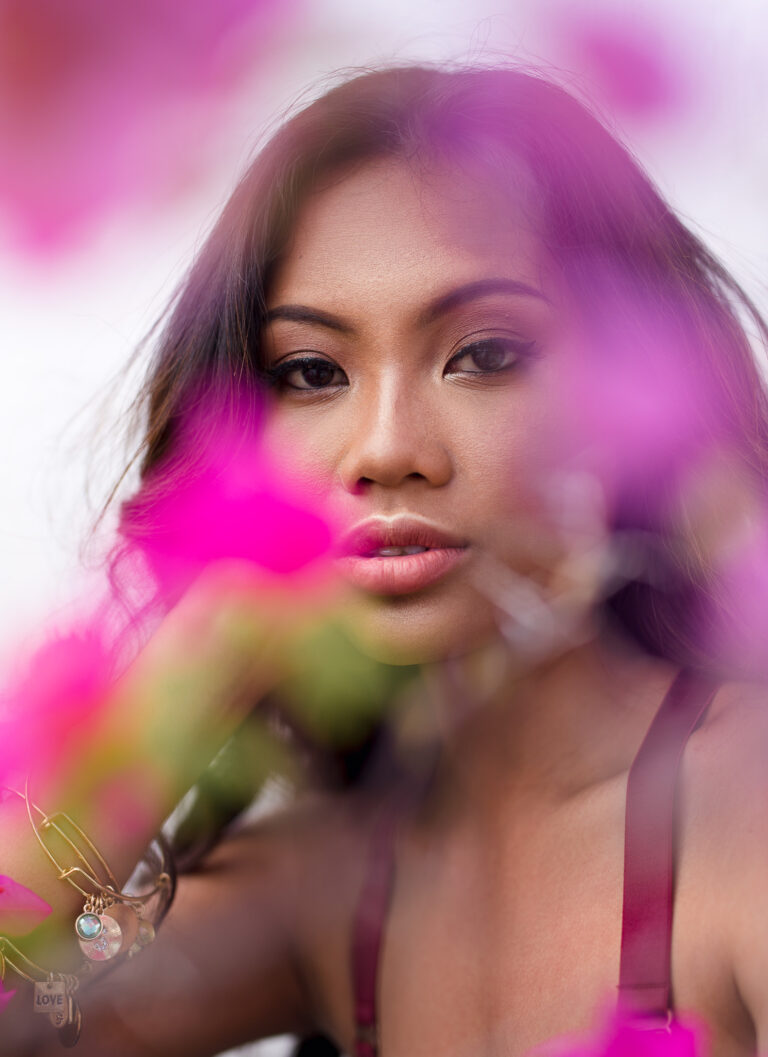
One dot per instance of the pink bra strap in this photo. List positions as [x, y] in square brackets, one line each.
[368, 927]
[649, 847]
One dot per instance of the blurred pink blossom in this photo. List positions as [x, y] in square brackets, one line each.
[634, 409]
[5, 996]
[219, 499]
[223, 499]
[108, 103]
[49, 705]
[638, 63]
[622, 1037]
[628, 1040]
[21, 910]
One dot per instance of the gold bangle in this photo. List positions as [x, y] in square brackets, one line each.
[112, 922]
[99, 939]
[107, 888]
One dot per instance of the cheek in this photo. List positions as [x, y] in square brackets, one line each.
[505, 457]
[512, 476]
[300, 448]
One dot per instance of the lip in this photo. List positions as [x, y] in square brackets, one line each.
[403, 574]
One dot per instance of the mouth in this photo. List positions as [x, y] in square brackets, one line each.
[398, 556]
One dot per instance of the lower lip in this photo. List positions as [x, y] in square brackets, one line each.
[403, 574]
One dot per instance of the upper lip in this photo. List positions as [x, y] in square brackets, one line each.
[402, 531]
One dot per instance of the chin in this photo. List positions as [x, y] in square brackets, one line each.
[420, 629]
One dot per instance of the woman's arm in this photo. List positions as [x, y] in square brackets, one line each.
[223, 970]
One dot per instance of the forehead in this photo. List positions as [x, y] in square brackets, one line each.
[389, 232]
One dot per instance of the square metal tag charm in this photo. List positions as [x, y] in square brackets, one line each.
[51, 998]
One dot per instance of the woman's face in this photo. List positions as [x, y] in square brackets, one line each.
[409, 340]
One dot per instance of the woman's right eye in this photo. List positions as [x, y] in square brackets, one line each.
[308, 373]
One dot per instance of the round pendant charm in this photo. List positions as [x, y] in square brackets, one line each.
[88, 927]
[128, 921]
[107, 944]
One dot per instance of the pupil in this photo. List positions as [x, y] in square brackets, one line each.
[317, 375]
[488, 355]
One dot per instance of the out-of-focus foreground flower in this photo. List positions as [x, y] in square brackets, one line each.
[621, 1037]
[108, 104]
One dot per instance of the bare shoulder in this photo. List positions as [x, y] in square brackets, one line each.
[728, 755]
[724, 862]
[725, 781]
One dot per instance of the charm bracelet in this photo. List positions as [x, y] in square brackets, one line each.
[111, 923]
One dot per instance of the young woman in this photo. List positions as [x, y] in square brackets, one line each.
[526, 391]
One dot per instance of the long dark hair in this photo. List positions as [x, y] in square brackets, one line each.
[597, 213]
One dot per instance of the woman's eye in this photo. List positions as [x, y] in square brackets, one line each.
[307, 373]
[490, 356]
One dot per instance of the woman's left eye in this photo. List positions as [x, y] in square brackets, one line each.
[490, 356]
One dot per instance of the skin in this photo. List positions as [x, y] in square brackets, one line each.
[504, 930]
[411, 423]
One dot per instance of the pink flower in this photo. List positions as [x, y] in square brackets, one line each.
[104, 104]
[5, 996]
[628, 1040]
[222, 499]
[637, 63]
[48, 706]
[21, 910]
[622, 1037]
[633, 409]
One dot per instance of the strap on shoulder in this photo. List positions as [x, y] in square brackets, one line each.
[369, 922]
[649, 847]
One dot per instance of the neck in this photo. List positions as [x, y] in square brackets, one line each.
[551, 731]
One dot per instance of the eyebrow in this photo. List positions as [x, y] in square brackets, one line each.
[442, 305]
[473, 292]
[303, 314]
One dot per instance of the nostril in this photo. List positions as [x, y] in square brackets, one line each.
[363, 483]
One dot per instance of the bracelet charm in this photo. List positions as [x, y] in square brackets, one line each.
[107, 943]
[50, 997]
[88, 926]
[54, 998]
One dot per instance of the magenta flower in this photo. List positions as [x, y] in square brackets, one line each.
[623, 1037]
[633, 409]
[21, 910]
[221, 499]
[639, 64]
[104, 104]
[48, 706]
[628, 1040]
[5, 997]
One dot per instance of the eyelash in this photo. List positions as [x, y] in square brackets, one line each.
[277, 376]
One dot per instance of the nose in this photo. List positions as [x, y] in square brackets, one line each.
[397, 437]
